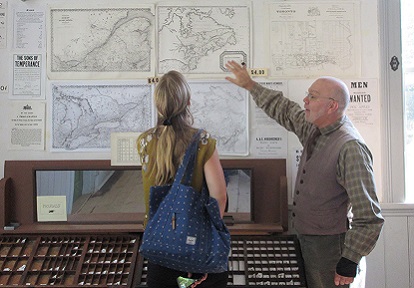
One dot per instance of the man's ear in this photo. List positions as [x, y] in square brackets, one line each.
[334, 106]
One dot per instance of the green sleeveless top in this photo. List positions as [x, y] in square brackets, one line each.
[147, 153]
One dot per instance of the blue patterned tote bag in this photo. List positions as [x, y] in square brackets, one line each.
[185, 231]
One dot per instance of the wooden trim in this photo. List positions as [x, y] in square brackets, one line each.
[269, 197]
[4, 201]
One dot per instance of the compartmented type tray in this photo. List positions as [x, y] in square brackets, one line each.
[66, 261]
[256, 261]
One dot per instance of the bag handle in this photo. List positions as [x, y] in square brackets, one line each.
[188, 173]
[190, 154]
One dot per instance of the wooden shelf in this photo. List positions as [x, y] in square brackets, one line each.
[68, 260]
[64, 228]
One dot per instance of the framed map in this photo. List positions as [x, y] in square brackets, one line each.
[199, 40]
[85, 43]
[85, 115]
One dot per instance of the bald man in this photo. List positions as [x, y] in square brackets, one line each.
[335, 210]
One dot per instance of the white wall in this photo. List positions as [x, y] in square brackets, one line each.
[391, 263]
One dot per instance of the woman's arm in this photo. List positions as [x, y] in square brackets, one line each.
[213, 172]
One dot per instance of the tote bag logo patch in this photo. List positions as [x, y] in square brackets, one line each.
[191, 240]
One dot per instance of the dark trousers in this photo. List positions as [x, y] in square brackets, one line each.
[163, 277]
[320, 255]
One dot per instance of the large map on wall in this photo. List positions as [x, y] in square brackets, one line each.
[199, 40]
[222, 109]
[308, 39]
[84, 115]
[93, 43]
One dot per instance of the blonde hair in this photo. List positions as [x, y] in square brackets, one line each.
[174, 126]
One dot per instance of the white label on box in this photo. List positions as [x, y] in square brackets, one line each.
[51, 208]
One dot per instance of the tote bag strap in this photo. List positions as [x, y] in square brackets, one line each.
[188, 175]
[185, 170]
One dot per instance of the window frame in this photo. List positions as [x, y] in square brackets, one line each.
[392, 98]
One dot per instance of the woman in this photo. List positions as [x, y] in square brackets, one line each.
[162, 148]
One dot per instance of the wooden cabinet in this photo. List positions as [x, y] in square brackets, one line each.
[101, 249]
[68, 260]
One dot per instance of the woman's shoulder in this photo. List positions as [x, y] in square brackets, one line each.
[145, 138]
[206, 147]
[206, 138]
[207, 143]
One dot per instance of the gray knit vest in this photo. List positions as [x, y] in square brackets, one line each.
[320, 203]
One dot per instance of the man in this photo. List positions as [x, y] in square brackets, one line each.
[335, 174]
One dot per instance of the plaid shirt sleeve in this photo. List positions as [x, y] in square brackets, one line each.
[286, 112]
[355, 174]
